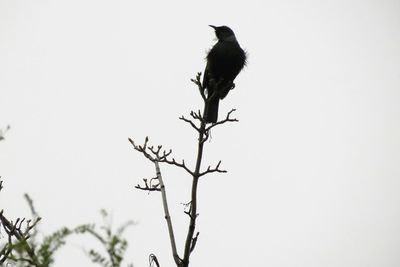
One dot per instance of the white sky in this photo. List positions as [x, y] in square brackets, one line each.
[314, 163]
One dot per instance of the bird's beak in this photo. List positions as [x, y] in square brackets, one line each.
[212, 26]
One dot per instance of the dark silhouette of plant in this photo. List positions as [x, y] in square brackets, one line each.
[18, 248]
[24, 249]
[23, 245]
[158, 155]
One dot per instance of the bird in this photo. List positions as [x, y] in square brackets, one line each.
[224, 62]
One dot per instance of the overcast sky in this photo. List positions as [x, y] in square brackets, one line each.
[313, 165]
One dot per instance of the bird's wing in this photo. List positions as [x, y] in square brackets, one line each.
[206, 80]
[206, 77]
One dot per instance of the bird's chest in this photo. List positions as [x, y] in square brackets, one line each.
[224, 52]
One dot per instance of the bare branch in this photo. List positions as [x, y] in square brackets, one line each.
[188, 210]
[148, 186]
[194, 241]
[174, 162]
[190, 122]
[211, 170]
[177, 259]
[158, 155]
[22, 235]
[227, 119]
[199, 85]
[153, 260]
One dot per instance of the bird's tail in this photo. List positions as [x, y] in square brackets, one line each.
[211, 113]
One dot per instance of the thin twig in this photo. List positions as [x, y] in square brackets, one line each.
[211, 170]
[148, 186]
[15, 229]
[227, 119]
[199, 85]
[157, 155]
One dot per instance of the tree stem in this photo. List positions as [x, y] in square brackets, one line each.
[193, 206]
[167, 216]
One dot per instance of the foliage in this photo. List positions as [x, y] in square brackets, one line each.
[23, 249]
[113, 242]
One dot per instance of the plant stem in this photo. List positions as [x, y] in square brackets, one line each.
[193, 206]
[167, 216]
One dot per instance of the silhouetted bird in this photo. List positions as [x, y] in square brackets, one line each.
[224, 62]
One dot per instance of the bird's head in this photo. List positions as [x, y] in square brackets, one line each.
[224, 33]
